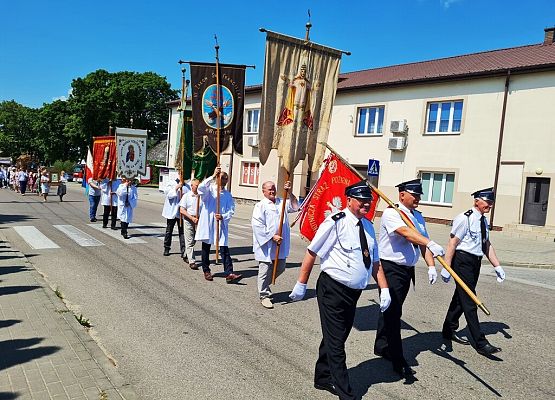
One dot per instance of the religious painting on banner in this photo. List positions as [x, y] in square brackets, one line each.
[131, 152]
[104, 157]
[300, 80]
[328, 196]
[213, 110]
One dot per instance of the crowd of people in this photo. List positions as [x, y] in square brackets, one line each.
[32, 182]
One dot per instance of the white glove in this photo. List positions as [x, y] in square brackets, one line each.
[432, 274]
[445, 275]
[385, 299]
[500, 273]
[298, 291]
[435, 248]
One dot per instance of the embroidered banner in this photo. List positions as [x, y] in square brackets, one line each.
[131, 152]
[104, 157]
[300, 79]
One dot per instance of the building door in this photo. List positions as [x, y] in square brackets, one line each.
[535, 201]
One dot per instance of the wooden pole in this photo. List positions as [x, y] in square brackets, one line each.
[181, 150]
[461, 283]
[218, 122]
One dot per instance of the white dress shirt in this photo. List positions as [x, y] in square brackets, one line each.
[171, 202]
[337, 243]
[105, 192]
[394, 247]
[467, 229]
[189, 202]
[265, 224]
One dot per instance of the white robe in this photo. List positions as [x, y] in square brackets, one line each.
[206, 229]
[265, 224]
[125, 213]
[171, 202]
[105, 192]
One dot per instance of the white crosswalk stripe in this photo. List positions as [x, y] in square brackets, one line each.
[117, 234]
[35, 238]
[78, 236]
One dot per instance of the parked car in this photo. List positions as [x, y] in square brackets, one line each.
[78, 171]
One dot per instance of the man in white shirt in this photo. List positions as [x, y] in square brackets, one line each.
[127, 201]
[400, 247]
[173, 191]
[206, 229]
[109, 201]
[348, 251]
[468, 243]
[189, 207]
[265, 236]
[94, 197]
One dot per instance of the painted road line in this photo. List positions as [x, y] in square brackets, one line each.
[117, 234]
[35, 238]
[78, 236]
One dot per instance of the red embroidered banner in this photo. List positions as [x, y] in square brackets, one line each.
[104, 157]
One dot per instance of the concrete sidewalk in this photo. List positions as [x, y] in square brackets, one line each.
[44, 352]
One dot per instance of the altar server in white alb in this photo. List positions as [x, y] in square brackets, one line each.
[127, 201]
[206, 230]
[173, 191]
[190, 206]
[265, 236]
[109, 201]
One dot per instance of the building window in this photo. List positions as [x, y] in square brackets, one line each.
[438, 187]
[445, 116]
[253, 117]
[250, 172]
[370, 120]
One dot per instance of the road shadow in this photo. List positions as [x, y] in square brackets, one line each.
[12, 270]
[9, 322]
[19, 351]
[9, 218]
[8, 396]
[16, 289]
[283, 297]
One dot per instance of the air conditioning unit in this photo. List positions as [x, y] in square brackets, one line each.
[252, 141]
[397, 143]
[399, 126]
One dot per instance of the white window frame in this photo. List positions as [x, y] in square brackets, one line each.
[441, 201]
[249, 112]
[367, 123]
[438, 120]
[244, 164]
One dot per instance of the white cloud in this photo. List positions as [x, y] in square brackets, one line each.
[63, 98]
[448, 3]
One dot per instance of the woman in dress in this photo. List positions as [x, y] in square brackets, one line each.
[44, 183]
[62, 190]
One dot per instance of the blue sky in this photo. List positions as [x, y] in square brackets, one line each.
[44, 44]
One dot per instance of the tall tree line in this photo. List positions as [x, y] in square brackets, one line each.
[62, 130]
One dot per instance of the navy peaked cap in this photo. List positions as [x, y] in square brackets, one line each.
[413, 186]
[484, 194]
[359, 190]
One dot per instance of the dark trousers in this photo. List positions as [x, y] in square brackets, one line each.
[107, 213]
[93, 206]
[337, 305]
[467, 266]
[224, 254]
[22, 186]
[124, 226]
[388, 334]
[170, 223]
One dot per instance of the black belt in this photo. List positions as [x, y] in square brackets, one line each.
[477, 258]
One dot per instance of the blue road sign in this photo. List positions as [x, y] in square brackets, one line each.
[373, 167]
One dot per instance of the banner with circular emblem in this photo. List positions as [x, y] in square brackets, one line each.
[131, 152]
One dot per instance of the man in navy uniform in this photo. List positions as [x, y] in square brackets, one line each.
[468, 243]
[347, 247]
[400, 248]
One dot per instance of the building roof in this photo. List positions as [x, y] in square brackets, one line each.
[158, 151]
[494, 62]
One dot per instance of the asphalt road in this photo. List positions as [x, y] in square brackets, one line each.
[174, 335]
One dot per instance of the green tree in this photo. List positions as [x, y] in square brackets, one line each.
[54, 139]
[17, 135]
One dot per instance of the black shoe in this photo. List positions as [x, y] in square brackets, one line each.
[114, 228]
[166, 252]
[456, 338]
[383, 354]
[488, 349]
[330, 387]
[104, 226]
[126, 236]
[404, 371]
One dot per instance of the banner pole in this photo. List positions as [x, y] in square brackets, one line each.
[181, 151]
[456, 277]
[218, 122]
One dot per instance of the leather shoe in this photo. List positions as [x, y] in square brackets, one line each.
[126, 236]
[404, 370]
[383, 354]
[457, 339]
[330, 387]
[488, 349]
[193, 266]
[166, 252]
[208, 276]
[233, 278]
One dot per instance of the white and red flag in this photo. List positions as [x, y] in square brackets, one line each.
[327, 196]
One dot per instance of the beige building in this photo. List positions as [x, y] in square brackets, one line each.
[460, 124]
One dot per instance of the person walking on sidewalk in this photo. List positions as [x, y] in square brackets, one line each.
[173, 191]
[94, 197]
[400, 248]
[206, 230]
[189, 207]
[127, 201]
[265, 227]
[62, 189]
[109, 201]
[468, 243]
[22, 178]
[44, 184]
[348, 250]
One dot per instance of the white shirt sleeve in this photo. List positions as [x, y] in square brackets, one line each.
[391, 220]
[325, 238]
[460, 226]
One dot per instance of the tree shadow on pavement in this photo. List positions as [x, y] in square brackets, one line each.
[9, 218]
[18, 351]
[17, 289]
